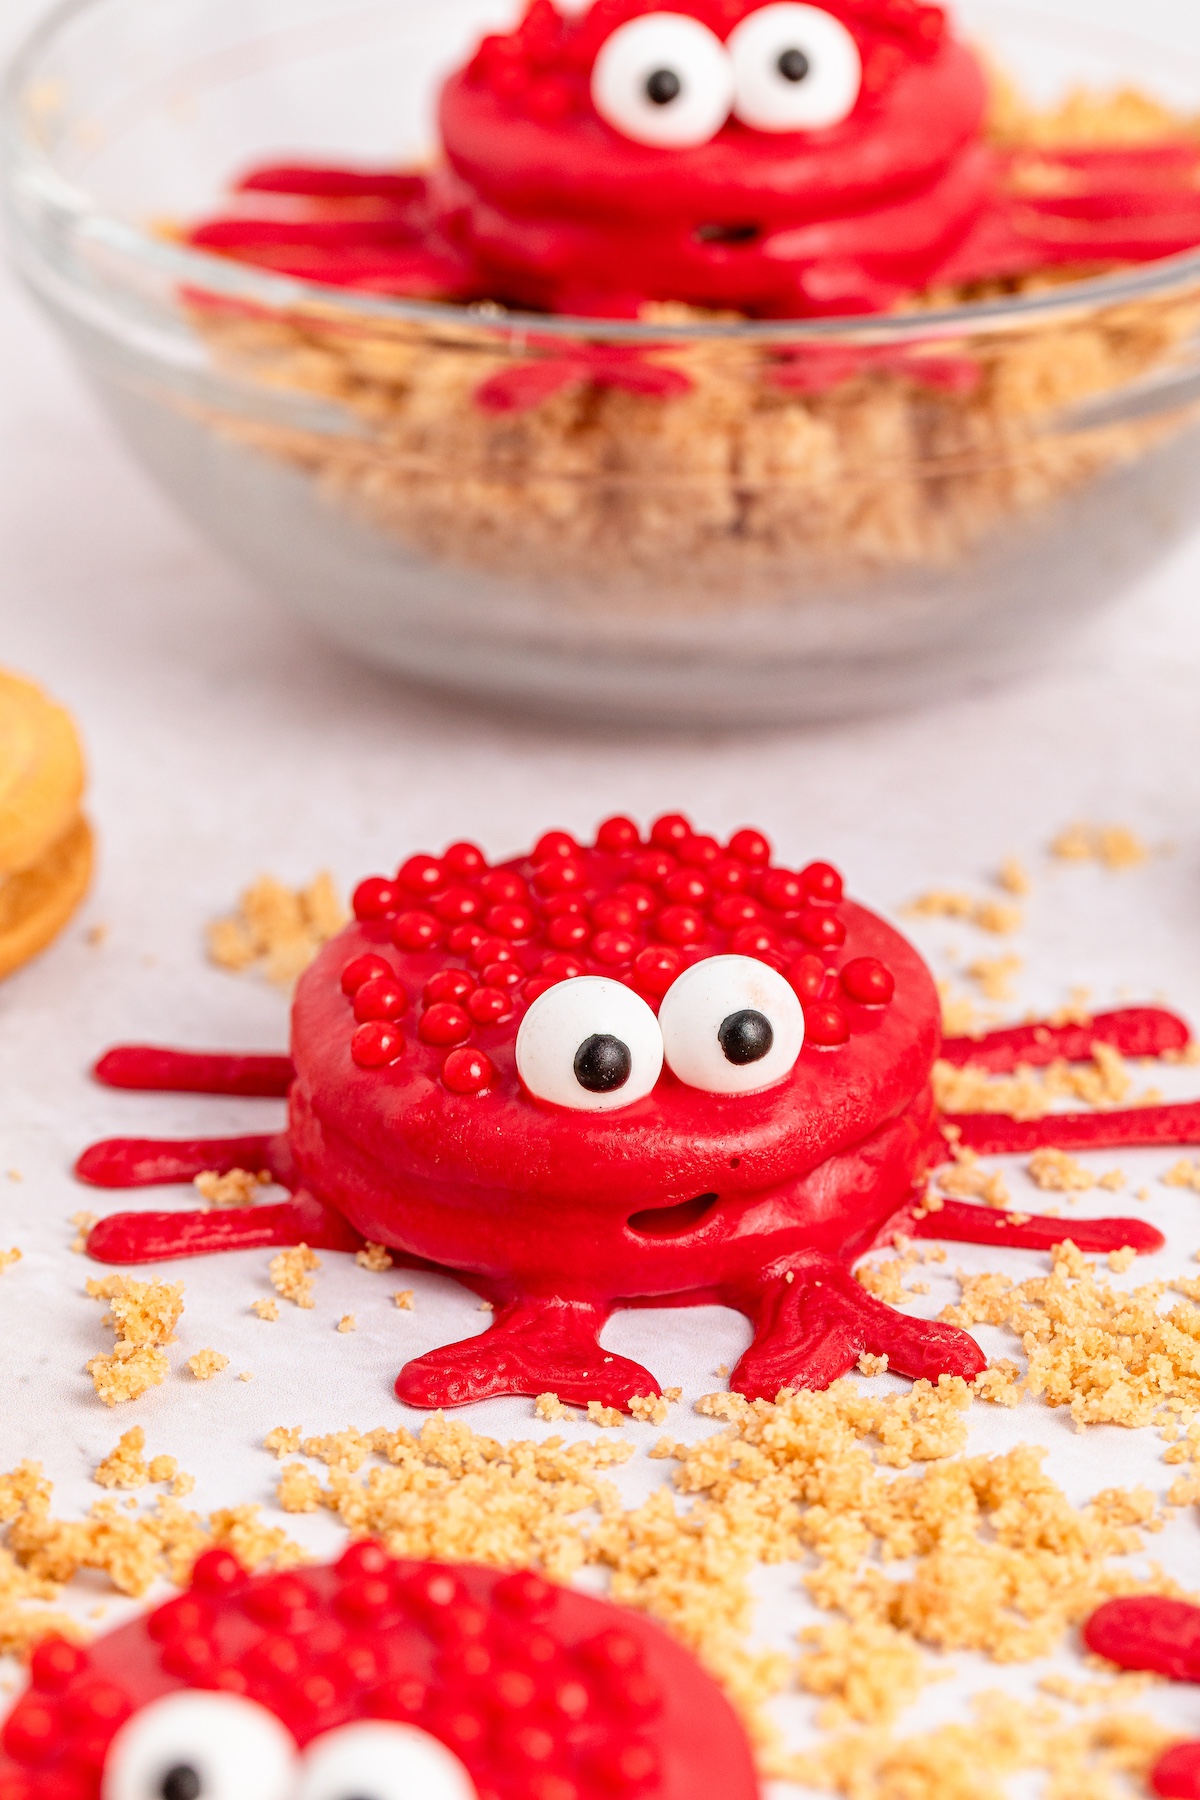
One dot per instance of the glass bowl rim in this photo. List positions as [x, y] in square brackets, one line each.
[25, 164]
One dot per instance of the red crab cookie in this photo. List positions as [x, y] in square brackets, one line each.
[374, 1680]
[633, 1072]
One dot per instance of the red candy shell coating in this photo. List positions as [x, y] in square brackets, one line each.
[372, 1637]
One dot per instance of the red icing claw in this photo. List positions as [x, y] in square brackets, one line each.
[1153, 1632]
[964, 1224]
[1140, 1127]
[146, 1068]
[148, 1162]
[1133, 1030]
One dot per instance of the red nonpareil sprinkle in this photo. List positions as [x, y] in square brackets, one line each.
[751, 847]
[568, 932]
[422, 875]
[444, 1023]
[613, 913]
[554, 844]
[501, 887]
[558, 875]
[781, 890]
[458, 905]
[825, 1025]
[381, 998]
[613, 947]
[670, 831]
[447, 984]
[754, 940]
[416, 931]
[376, 1044]
[468, 1071]
[464, 860]
[617, 835]
[655, 969]
[679, 925]
[489, 1005]
[687, 887]
[509, 920]
[807, 976]
[822, 883]
[375, 898]
[654, 866]
[821, 928]
[361, 969]
[503, 974]
[868, 981]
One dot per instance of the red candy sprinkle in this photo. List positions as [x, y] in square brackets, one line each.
[731, 912]
[687, 888]
[729, 877]
[447, 984]
[568, 932]
[422, 875]
[488, 1005]
[554, 844]
[699, 852]
[465, 938]
[618, 834]
[458, 905]
[55, 1663]
[464, 859]
[750, 847]
[807, 976]
[636, 894]
[822, 883]
[381, 998]
[537, 985]
[654, 866]
[376, 1044]
[416, 931]
[781, 890]
[217, 1572]
[614, 946]
[375, 898]
[671, 830]
[868, 981]
[754, 940]
[489, 950]
[557, 904]
[678, 925]
[655, 970]
[558, 876]
[509, 921]
[820, 928]
[613, 913]
[560, 966]
[501, 974]
[361, 969]
[501, 886]
[31, 1734]
[444, 1023]
[825, 1025]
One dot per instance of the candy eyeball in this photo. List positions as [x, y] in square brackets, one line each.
[664, 79]
[200, 1746]
[376, 1760]
[731, 1025]
[591, 1044]
[796, 68]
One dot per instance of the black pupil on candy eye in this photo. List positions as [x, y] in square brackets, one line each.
[793, 65]
[602, 1063]
[745, 1037]
[663, 86]
[181, 1783]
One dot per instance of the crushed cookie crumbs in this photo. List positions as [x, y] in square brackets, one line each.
[143, 1315]
[291, 1275]
[1056, 1172]
[265, 1309]
[607, 1416]
[126, 1467]
[83, 1223]
[1116, 846]
[9, 1259]
[1184, 1173]
[995, 975]
[278, 929]
[1031, 1093]
[207, 1363]
[550, 1407]
[237, 1187]
[966, 1179]
[1013, 877]
[347, 1322]
[405, 1300]
[996, 916]
[374, 1257]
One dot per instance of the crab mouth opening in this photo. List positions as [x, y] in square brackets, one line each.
[674, 1221]
[744, 233]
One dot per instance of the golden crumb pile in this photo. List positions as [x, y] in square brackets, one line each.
[291, 1275]
[143, 1315]
[652, 1409]
[207, 1363]
[9, 1258]
[1057, 1172]
[374, 1257]
[996, 916]
[237, 1187]
[1030, 1093]
[126, 1466]
[967, 1179]
[1112, 1357]
[1184, 1173]
[278, 929]
[550, 1407]
[1113, 845]
[995, 976]
[41, 1553]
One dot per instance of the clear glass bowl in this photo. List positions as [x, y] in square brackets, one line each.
[767, 546]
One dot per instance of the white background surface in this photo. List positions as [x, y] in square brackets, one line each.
[224, 740]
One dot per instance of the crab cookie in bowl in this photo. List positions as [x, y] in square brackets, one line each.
[46, 847]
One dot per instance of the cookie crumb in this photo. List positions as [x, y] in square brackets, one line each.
[246, 1375]
[1116, 846]
[237, 1187]
[374, 1257]
[651, 1409]
[291, 1275]
[9, 1259]
[608, 1416]
[551, 1408]
[278, 929]
[83, 1223]
[1014, 877]
[207, 1363]
[284, 1440]
[872, 1365]
[128, 1372]
[995, 975]
[265, 1309]
[1184, 1173]
[405, 1300]
[347, 1322]
[996, 916]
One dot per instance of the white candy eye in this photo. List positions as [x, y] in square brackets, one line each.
[795, 68]
[200, 1746]
[590, 1044]
[376, 1760]
[663, 79]
[731, 1025]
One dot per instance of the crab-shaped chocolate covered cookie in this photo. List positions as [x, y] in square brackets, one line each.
[374, 1680]
[781, 160]
[650, 1071]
